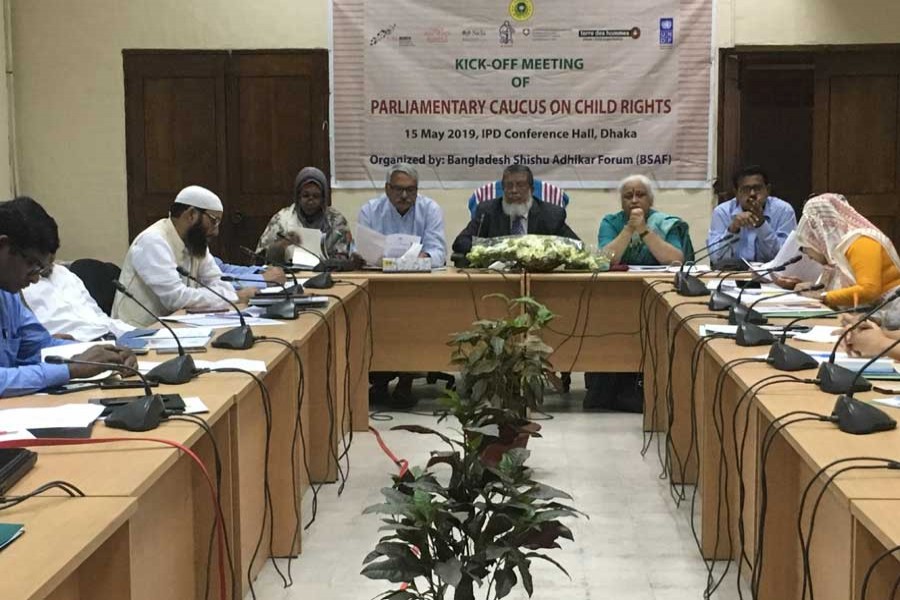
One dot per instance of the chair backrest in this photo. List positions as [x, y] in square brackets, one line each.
[543, 191]
[98, 277]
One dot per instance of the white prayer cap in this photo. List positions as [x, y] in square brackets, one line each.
[199, 197]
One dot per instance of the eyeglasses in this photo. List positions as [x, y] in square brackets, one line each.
[35, 266]
[212, 218]
[410, 190]
[750, 189]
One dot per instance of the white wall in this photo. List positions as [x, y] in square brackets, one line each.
[70, 97]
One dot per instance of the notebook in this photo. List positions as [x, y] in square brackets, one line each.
[10, 532]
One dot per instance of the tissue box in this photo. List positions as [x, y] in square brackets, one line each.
[401, 265]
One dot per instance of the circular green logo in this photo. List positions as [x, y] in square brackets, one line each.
[521, 10]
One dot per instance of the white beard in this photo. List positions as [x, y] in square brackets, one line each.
[513, 210]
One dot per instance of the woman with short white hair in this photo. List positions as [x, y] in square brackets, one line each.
[641, 235]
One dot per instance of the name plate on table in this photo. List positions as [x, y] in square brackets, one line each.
[400, 265]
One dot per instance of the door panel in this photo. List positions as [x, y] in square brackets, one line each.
[239, 123]
[277, 116]
[857, 133]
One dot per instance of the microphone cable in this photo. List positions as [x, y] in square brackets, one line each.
[268, 508]
[768, 439]
[69, 488]
[805, 542]
[329, 395]
[220, 518]
[217, 457]
[868, 576]
[740, 450]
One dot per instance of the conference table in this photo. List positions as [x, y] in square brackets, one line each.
[279, 438]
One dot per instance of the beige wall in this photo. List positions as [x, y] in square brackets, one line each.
[70, 98]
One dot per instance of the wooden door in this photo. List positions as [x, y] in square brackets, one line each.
[174, 130]
[857, 133]
[729, 152]
[277, 124]
[239, 123]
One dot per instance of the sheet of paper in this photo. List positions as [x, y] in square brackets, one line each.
[183, 333]
[806, 269]
[882, 365]
[67, 415]
[70, 350]
[369, 245]
[893, 401]
[8, 436]
[171, 344]
[277, 289]
[303, 258]
[821, 334]
[396, 244]
[194, 405]
[311, 241]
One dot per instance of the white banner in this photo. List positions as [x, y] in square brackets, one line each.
[581, 91]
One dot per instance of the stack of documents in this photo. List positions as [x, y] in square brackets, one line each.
[374, 247]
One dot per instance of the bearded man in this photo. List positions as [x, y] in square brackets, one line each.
[181, 239]
[518, 212]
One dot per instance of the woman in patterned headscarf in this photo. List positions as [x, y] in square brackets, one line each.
[861, 264]
[311, 209]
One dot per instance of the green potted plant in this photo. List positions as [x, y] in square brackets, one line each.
[466, 522]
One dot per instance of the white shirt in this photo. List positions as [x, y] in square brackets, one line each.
[63, 305]
[149, 273]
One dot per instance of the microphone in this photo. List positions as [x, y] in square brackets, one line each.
[745, 314]
[239, 338]
[286, 309]
[722, 301]
[860, 418]
[480, 224]
[59, 360]
[174, 371]
[234, 278]
[688, 285]
[256, 257]
[140, 413]
[836, 379]
[787, 358]
[749, 332]
[759, 319]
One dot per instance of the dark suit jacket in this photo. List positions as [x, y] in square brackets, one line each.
[490, 221]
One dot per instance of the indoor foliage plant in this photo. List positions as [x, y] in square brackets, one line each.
[466, 524]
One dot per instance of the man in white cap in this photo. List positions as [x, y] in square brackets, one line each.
[149, 271]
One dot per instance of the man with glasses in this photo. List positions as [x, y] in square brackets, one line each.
[402, 210]
[516, 213]
[763, 222]
[181, 239]
[28, 240]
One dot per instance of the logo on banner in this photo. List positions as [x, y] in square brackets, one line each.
[521, 10]
[609, 34]
[437, 35]
[666, 31]
[506, 34]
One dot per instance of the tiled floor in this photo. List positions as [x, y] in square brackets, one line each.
[636, 545]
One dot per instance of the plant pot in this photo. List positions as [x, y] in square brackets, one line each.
[511, 436]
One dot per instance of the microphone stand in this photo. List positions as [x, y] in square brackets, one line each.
[737, 313]
[688, 285]
[174, 371]
[860, 418]
[286, 309]
[787, 358]
[749, 333]
[722, 301]
[836, 379]
[239, 338]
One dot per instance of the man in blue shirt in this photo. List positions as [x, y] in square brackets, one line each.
[402, 210]
[28, 239]
[763, 222]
